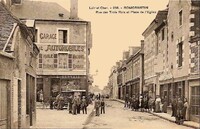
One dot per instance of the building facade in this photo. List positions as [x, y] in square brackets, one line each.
[64, 41]
[194, 60]
[113, 82]
[18, 72]
[150, 55]
[134, 75]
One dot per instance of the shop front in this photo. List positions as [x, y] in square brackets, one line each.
[194, 101]
[173, 90]
[54, 84]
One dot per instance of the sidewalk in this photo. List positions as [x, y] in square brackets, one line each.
[169, 118]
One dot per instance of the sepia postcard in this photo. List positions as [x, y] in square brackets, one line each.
[100, 64]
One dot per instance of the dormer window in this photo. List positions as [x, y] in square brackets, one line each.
[16, 1]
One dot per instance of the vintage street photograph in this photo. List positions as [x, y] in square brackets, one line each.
[99, 64]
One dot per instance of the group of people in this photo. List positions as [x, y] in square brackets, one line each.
[138, 102]
[78, 103]
[146, 103]
[99, 105]
[180, 109]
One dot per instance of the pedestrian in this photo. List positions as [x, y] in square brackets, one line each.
[157, 104]
[74, 105]
[185, 110]
[141, 103]
[84, 105]
[97, 105]
[179, 115]
[174, 106]
[78, 104]
[41, 97]
[51, 102]
[102, 106]
[132, 102]
[146, 101]
[70, 104]
[164, 107]
[61, 101]
[126, 101]
[137, 103]
[150, 103]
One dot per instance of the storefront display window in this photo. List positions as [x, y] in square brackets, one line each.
[195, 101]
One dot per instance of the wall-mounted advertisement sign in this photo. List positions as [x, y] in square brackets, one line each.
[68, 57]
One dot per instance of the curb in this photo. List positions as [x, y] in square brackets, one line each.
[184, 124]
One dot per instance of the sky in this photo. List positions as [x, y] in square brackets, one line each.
[113, 33]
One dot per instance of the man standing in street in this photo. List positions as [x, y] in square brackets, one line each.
[126, 101]
[84, 105]
[102, 106]
[97, 105]
[74, 108]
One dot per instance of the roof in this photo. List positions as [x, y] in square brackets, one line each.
[161, 15]
[6, 25]
[39, 10]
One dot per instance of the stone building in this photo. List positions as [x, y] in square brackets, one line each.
[64, 41]
[113, 82]
[150, 55]
[194, 60]
[134, 72]
[17, 72]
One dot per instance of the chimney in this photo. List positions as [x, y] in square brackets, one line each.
[74, 9]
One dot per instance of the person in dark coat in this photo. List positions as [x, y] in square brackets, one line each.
[102, 106]
[174, 106]
[51, 102]
[78, 106]
[164, 108]
[126, 101]
[84, 105]
[70, 104]
[74, 105]
[179, 114]
[137, 103]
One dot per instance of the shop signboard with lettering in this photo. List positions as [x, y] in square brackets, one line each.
[65, 57]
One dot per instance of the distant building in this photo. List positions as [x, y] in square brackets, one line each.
[64, 41]
[113, 82]
[17, 72]
[134, 72]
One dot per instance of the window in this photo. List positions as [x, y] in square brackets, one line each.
[180, 17]
[163, 34]
[195, 100]
[180, 54]
[63, 36]
[70, 61]
[63, 60]
[40, 61]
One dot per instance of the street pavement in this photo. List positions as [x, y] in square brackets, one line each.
[60, 119]
[117, 117]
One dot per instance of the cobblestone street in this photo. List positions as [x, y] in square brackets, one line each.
[117, 117]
